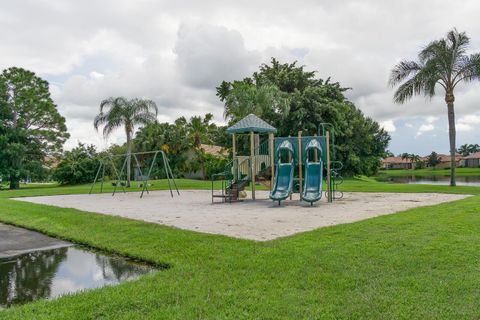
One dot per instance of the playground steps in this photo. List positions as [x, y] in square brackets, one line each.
[231, 192]
[234, 189]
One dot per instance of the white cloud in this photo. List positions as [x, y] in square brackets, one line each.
[464, 127]
[96, 75]
[181, 50]
[388, 125]
[425, 128]
[468, 122]
[207, 54]
[431, 119]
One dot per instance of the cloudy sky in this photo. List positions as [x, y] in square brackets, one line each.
[176, 52]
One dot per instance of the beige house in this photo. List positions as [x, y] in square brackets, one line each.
[208, 149]
[396, 163]
[445, 160]
[472, 160]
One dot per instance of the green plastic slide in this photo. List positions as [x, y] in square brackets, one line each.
[283, 182]
[312, 184]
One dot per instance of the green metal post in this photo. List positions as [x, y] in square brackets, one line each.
[166, 171]
[96, 176]
[145, 181]
[119, 176]
[103, 178]
[139, 169]
[173, 178]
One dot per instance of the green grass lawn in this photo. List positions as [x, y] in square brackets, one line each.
[462, 172]
[423, 263]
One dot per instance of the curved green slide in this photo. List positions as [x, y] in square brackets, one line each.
[283, 182]
[312, 184]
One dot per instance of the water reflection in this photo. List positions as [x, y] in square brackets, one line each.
[439, 180]
[48, 274]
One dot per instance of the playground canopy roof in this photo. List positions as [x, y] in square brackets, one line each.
[251, 123]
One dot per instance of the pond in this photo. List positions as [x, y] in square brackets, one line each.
[438, 180]
[52, 273]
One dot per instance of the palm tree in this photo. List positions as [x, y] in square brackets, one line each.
[263, 101]
[116, 112]
[407, 156]
[444, 63]
[464, 149]
[415, 159]
[472, 148]
[199, 131]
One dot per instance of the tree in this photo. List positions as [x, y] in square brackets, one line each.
[415, 159]
[433, 160]
[466, 149]
[78, 165]
[169, 138]
[30, 125]
[266, 101]
[116, 112]
[442, 63]
[200, 131]
[301, 102]
[388, 154]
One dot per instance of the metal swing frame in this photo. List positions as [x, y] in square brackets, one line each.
[145, 178]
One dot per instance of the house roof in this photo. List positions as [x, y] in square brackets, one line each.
[475, 155]
[446, 157]
[213, 150]
[251, 123]
[396, 160]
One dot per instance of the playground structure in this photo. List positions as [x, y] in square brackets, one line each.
[285, 165]
[147, 160]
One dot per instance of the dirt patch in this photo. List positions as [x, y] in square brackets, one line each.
[257, 220]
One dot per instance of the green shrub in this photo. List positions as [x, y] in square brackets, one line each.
[77, 166]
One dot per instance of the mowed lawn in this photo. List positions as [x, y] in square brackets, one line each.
[422, 263]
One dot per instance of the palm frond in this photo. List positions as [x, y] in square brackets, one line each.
[403, 70]
[467, 69]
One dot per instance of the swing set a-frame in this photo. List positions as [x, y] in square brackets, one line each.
[159, 157]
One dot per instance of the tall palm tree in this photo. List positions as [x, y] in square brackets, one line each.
[407, 156]
[116, 112]
[414, 158]
[200, 131]
[263, 101]
[442, 63]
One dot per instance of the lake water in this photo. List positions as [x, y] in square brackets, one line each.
[438, 180]
[52, 273]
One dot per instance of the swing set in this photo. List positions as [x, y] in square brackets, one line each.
[140, 160]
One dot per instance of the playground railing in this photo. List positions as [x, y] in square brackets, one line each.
[235, 171]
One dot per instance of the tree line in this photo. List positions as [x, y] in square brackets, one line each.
[283, 94]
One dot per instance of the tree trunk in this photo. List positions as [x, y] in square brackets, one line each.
[449, 99]
[129, 157]
[14, 183]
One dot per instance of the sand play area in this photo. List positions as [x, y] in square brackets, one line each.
[260, 220]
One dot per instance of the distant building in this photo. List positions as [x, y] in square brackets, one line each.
[214, 150]
[445, 161]
[396, 163]
[472, 160]
[399, 163]
[208, 149]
